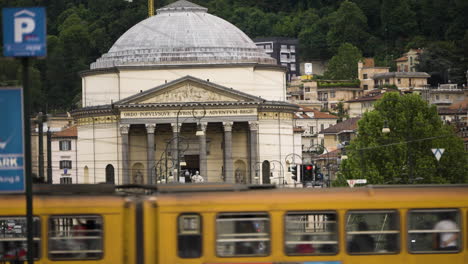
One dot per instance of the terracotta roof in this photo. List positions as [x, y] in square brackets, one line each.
[298, 129]
[401, 75]
[402, 59]
[460, 105]
[371, 97]
[350, 124]
[315, 114]
[332, 154]
[368, 62]
[69, 132]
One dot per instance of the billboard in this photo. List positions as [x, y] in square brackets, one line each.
[12, 172]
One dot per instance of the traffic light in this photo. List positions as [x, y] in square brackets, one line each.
[317, 170]
[308, 172]
[293, 170]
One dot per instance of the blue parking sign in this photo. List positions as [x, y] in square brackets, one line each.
[24, 32]
[12, 173]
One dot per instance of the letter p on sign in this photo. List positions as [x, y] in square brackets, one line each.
[23, 25]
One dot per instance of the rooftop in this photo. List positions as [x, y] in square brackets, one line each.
[350, 124]
[182, 33]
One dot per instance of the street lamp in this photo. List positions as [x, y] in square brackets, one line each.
[200, 132]
[281, 170]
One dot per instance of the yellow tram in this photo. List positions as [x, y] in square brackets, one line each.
[220, 223]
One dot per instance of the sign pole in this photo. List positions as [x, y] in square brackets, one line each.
[27, 160]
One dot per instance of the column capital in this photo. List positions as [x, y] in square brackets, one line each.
[253, 125]
[228, 126]
[124, 128]
[175, 128]
[150, 128]
[203, 126]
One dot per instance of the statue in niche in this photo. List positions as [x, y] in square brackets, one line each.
[138, 177]
[240, 176]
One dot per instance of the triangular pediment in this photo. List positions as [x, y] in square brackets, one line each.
[189, 89]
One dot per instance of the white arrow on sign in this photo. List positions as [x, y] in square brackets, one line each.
[438, 153]
[351, 183]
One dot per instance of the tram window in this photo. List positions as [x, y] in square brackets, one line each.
[189, 240]
[242, 234]
[13, 238]
[434, 231]
[373, 232]
[311, 233]
[75, 237]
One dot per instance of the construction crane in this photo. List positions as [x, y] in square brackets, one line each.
[150, 8]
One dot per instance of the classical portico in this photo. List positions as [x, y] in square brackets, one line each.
[158, 130]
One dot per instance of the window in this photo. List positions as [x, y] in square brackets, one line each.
[242, 234]
[189, 238]
[311, 233]
[447, 96]
[332, 94]
[65, 164]
[372, 232]
[75, 237]
[364, 76]
[366, 87]
[321, 127]
[399, 81]
[13, 238]
[387, 81]
[437, 97]
[66, 180]
[293, 67]
[433, 231]
[65, 145]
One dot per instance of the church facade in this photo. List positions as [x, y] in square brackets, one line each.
[184, 93]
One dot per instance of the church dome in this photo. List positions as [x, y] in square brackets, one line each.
[182, 33]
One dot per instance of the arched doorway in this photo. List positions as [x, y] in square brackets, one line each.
[86, 174]
[110, 174]
[266, 172]
[137, 173]
[240, 172]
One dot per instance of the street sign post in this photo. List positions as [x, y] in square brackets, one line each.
[12, 173]
[24, 35]
[24, 32]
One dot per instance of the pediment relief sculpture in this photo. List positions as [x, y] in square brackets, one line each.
[187, 93]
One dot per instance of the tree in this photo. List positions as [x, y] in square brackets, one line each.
[437, 60]
[347, 24]
[404, 154]
[343, 66]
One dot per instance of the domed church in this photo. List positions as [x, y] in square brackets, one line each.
[184, 94]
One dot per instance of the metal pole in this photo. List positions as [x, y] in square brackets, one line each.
[27, 161]
[49, 156]
[41, 147]
[176, 177]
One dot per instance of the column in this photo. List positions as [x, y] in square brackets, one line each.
[253, 149]
[228, 163]
[124, 129]
[203, 160]
[150, 153]
[175, 151]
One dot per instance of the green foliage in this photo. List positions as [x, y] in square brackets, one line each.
[354, 83]
[347, 25]
[80, 31]
[404, 155]
[343, 66]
